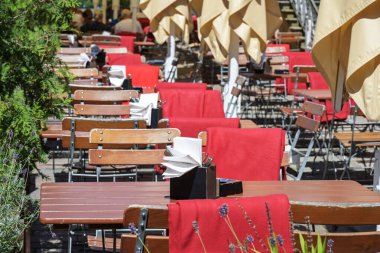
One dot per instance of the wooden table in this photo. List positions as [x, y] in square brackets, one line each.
[103, 204]
[324, 94]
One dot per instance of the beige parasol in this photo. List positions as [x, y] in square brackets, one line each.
[252, 21]
[162, 14]
[347, 52]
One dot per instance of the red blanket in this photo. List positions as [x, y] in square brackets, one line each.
[180, 85]
[124, 59]
[213, 105]
[318, 82]
[246, 154]
[191, 127]
[182, 103]
[214, 231]
[143, 75]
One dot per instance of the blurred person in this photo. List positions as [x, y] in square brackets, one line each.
[126, 25]
[90, 25]
[77, 18]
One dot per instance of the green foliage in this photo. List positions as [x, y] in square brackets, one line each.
[14, 203]
[320, 247]
[30, 89]
[30, 92]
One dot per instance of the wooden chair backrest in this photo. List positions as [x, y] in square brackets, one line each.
[86, 72]
[75, 87]
[118, 50]
[157, 218]
[130, 136]
[101, 110]
[304, 68]
[309, 123]
[83, 126]
[70, 58]
[74, 50]
[106, 40]
[85, 81]
[104, 95]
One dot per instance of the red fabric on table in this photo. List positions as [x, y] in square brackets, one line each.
[297, 58]
[143, 75]
[126, 41]
[246, 154]
[317, 82]
[214, 231]
[213, 105]
[191, 127]
[124, 59]
[180, 85]
[182, 103]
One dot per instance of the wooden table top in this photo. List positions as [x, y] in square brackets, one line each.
[365, 139]
[324, 94]
[104, 203]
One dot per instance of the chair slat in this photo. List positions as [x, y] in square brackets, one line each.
[101, 110]
[307, 123]
[105, 95]
[313, 108]
[125, 157]
[134, 136]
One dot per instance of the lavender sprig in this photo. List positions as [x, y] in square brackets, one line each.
[197, 232]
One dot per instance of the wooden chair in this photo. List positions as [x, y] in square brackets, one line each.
[75, 87]
[102, 103]
[119, 50]
[84, 73]
[147, 219]
[306, 122]
[74, 50]
[75, 136]
[119, 156]
[106, 40]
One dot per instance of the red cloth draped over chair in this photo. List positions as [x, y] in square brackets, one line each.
[191, 103]
[191, 127]
[246, 154]
[297, 58]
[182, 103]
[180, 85]
[214, 231]
[143, 75]
[317, 82]
[213, 105]
[124, 59]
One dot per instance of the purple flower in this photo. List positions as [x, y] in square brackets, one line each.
[250, 238]
[5, 160]
[133, 228]
[272, 241]
[231, 248]
[15, 156]
[195, 226]
[223, 210]
[280, 240]
[330, 243]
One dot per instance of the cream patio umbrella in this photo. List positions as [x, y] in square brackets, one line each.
[169, 19]
[224, 23]
[347, 52]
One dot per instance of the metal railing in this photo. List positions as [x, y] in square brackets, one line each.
[306, 12]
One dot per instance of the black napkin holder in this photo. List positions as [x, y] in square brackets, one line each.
[155, 117]
[281, 71]
[198, 183]
[229, 187]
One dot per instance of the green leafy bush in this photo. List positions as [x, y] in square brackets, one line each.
[30, 89]
[30, 92]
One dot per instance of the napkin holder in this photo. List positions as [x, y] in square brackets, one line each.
[229, 187]
[198, 183]
[155, 117]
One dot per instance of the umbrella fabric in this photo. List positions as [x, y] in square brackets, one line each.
[252, 21]
[164, 12]
[347, 51]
